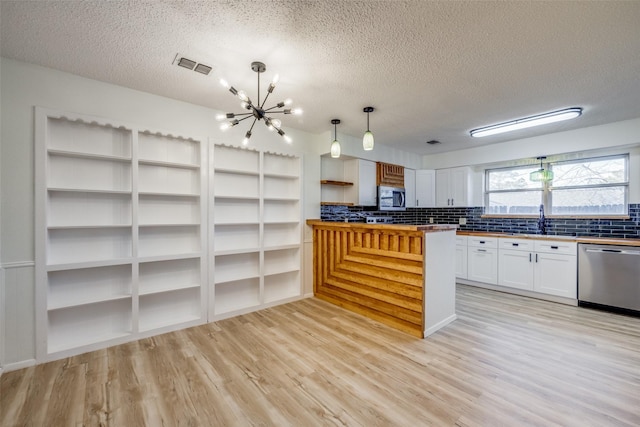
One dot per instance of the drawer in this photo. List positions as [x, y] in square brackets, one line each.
[482, 242]
[461, 240]
[556, 247]
[516, 244]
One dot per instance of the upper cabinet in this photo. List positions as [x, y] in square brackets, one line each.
[453, 187]
[363, 175]
[348, 182]
[425, 188]
[410, 188]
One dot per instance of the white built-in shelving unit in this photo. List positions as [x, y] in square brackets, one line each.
[256, 238]
[121, 233]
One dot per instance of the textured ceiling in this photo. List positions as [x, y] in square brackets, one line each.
[432, 70]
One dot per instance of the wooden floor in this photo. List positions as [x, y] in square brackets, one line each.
[506, 361]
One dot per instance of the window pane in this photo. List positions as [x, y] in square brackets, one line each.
[587, 201]
[516, 203]
[590, 172]
[511, 179]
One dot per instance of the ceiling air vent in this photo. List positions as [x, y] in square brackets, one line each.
[190, 64]
[433, 142]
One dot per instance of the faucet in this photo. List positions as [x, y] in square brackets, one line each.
[541, 220]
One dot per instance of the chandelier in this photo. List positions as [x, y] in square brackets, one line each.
[257, 111]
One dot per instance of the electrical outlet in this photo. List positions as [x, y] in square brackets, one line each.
[462, 221]
[430, 220]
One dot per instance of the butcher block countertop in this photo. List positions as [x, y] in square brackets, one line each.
[404, 227]
[594, 240]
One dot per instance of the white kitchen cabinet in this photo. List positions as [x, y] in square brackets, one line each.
[461, 257]
[482, 263]
[515, 263]
[362, 173]
[544, 266]
[120, 233]
[556, 268]
[425, 188]
[453, 187]
[410, 187]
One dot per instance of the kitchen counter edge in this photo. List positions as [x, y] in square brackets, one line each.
[593, 240]
[428, 228]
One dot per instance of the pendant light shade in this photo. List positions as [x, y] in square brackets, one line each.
[335, 145]
[542, 174]
[367, 140]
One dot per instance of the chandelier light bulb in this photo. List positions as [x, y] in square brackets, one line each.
[297, 111]
[225, 126]
[276, 123]
[225, 84]
[243, 95]
[276, 79]
[287, 139]
[288, 101]
[221, 117]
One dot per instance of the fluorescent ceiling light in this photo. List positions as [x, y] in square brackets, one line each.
[527, 122]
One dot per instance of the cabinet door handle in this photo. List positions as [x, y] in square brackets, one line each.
[536, 257]
[417, 202]
[451, 202]
[529, 257]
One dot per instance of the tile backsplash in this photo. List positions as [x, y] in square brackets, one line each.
[620, 228]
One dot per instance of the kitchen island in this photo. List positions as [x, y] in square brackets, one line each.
[400, 275]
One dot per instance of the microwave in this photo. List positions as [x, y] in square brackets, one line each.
[391, 199]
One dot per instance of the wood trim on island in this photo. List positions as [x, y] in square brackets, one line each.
[381, 271]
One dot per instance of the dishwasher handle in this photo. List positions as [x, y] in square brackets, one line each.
[615, 251]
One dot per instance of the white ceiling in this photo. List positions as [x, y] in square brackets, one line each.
[432, 69]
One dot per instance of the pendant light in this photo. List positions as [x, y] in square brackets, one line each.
[335, 145]
[542, 174]
[367, 140]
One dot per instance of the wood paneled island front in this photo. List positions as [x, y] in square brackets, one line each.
[400, 275]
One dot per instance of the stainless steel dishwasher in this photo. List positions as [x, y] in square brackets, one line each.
[609, 277]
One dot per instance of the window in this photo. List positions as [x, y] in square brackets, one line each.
[596, 186]
[590, 187]
[509, 191]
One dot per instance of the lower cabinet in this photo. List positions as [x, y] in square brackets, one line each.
[544, 266]
[556, 274]
[461, 257]
[482, 261]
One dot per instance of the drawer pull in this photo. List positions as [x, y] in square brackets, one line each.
[482, 250]
[554, 247]
[482, 242]
[515, 244]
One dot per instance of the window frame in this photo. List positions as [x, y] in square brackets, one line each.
[547, 189]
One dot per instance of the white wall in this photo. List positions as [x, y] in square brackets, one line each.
[612, 138]
[24, 86]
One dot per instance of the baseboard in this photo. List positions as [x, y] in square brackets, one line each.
[441, 324]
[521, 292]
[18, 365]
